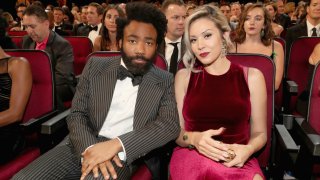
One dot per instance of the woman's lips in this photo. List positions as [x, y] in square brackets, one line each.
[204, 54]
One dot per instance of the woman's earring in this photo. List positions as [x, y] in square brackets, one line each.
[262, 33]
[223, 49]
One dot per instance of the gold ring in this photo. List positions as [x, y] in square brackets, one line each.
[231, 155]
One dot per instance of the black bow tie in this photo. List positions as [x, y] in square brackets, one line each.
[93, 28]
[124, 73]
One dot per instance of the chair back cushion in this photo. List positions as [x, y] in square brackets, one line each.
[298, 64]
[82, 47]
[266, 66]
[41, 100]
[17, 40]
[17, 33]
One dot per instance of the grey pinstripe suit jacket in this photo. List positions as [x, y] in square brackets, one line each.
[155, 117]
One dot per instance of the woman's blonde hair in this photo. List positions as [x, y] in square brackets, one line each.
[216, 16]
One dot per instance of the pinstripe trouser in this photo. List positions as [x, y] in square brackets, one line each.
[60, 163]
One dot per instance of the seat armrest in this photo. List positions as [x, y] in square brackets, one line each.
[285, 138]
[55, 123]
[34, 124]
[291, 87]
[308, 135]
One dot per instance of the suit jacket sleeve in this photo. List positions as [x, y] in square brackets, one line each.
[63, 54]
[156, 133]
[81, 133]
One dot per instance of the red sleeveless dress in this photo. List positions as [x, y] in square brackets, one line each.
[212, 102]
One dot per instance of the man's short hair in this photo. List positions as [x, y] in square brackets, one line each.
[58, 9]
[167, 3]
[100, 9]
[35, 10]
[145, 13]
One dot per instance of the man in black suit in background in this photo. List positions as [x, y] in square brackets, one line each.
[80, 29]
[310, 27]
[123, 110]
[40, 37]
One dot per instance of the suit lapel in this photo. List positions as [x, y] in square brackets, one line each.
[104, 88]
[149, 95]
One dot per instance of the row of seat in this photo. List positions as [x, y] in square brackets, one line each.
[261, 62]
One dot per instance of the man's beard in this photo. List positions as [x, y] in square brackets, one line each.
[137, 69]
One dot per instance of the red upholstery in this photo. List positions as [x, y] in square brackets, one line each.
[17, 33]
[142, 173]
[42, 83]
[14, 166]
[314, 112]
[17, 40]
[82, 47]
[40, 103]
[159, 62]
[266, 66]
[298, 64]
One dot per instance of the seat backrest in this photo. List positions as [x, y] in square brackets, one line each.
[17, 40]
[267, 67]
[298, 63]
[160, 62]
[17, 33]
[41, 100]
[314, 100]
[82, 47]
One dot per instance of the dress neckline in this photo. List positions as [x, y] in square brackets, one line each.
[220, 75]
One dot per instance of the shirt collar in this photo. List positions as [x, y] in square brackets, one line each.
[169, 41]
[310, 26]
[44, 42]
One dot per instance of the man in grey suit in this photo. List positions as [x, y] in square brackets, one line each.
[117, 123]
[40, 37]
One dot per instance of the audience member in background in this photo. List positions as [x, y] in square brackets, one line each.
[15, 88]
[272, 9]
[310, 27]
[80, 29]
[235, 12]
[49, 8]
[5, 40]
[289, 8]
[68, 17]
[8, 17]
[255, 35]
[94, 17]
[190, 8]
[20, 8]
[60, 26]
[302, 101]
[172, 47]
[111, 116]
[226, 10]
[283, 19]
[40, 37]
[222, 106]
[107, 40]
[76, 14]
[299, 14]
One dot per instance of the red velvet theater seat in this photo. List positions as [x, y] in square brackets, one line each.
[266, 66]
[41, 106]
[17, 33]
[82, 47]
[17, 40]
